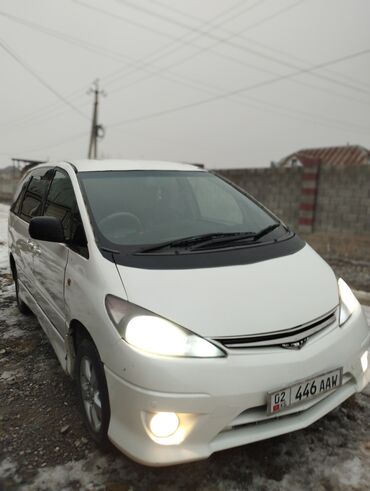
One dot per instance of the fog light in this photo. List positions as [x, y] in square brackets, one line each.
[365, 361]
[163, 425]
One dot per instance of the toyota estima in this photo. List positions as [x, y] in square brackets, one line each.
[192, 319]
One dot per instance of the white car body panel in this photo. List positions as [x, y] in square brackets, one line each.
[219, 400]
[20, 241]
[238, 300]
[50, 261]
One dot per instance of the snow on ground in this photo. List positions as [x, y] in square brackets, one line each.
[10, 375]
[8, 469]
[86, 472]
[4, 211]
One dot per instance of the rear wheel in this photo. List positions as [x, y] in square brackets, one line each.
[22, 307]
[93, 392]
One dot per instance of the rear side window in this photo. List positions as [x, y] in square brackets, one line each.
[35, 193]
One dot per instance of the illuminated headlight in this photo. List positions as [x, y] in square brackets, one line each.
[153, 334]
[348, 302]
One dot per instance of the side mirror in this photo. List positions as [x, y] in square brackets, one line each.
[49, 229]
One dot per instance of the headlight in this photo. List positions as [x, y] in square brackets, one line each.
[153, 334]
[348, 302]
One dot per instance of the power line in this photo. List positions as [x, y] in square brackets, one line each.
[161, 70]
[71, 39]
[238, 91]
[162, 50]
[199, 33]
[177, 40]
[253, 26]
[95, 48]
[121, 18]
[196, 84]
[45, 84]
[239, 46]
[78, 42]
[301, 60]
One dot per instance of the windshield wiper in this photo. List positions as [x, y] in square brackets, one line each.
[240, 236]
[200, 241]
[193, 239]
[266, 230]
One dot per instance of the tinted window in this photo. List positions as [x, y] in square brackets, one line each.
[215, 202]
[148, 207]
[61, 203]
[34, 196]
[21, 189]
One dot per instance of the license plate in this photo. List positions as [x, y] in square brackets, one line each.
[303, 391]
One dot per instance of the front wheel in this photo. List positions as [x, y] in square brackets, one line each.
[92, 390]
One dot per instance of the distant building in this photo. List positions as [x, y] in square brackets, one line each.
[336, 156]
[25, 164]
[9, 176]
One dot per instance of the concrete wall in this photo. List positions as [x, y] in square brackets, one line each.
[342, 201]
[341, 216]
[276, 188]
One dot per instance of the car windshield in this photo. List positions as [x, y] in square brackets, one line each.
[150, 207]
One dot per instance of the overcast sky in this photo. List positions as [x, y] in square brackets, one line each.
[229, 83]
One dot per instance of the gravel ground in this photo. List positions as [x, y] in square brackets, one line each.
[355, 273]
[44, 445]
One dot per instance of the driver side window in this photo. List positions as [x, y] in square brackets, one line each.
[61, 203]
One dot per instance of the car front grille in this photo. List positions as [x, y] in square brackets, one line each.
[286, 338]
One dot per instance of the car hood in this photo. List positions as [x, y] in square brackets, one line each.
[271, 295]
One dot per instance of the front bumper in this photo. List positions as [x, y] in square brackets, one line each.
[219, 401]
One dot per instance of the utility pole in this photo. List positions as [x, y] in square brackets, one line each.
[97, 130]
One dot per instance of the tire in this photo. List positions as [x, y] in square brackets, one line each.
[92, 391]
[22, 307]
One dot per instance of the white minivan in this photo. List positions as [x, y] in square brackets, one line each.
[192, 319]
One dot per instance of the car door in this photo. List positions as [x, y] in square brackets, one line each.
[28, 204]
[51, 258]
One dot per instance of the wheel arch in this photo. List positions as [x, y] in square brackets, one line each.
[76, 333]
[13, 267]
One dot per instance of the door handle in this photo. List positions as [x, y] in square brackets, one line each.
[34, 247]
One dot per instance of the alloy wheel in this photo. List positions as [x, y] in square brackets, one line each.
[90, 394]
